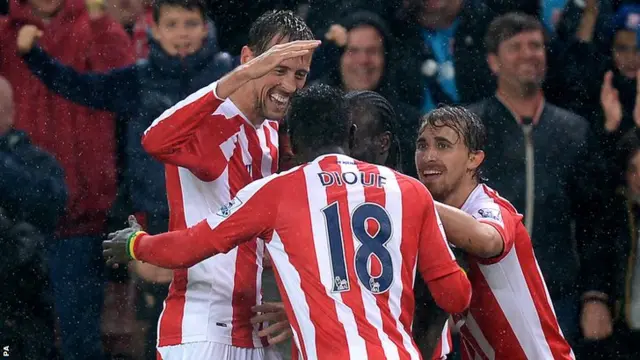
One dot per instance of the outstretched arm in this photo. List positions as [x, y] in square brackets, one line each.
[250, 214]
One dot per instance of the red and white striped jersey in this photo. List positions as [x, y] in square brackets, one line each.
[345, 238]
[211, 151]
[511, 315]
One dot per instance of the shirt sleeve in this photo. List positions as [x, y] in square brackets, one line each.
[492, 213]
[252, 213]
[176, 136]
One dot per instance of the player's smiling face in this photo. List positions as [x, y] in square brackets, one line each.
[274, 91]
[442, 160]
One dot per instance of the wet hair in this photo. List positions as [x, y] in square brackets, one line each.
[380, 109]
[280, 23]
[464, 122]
[318, 118]
[185, 4]
[507, 26]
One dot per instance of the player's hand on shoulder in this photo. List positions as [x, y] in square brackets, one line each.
[279, 328]
[115, 247]
[267, 61]
[27, 37]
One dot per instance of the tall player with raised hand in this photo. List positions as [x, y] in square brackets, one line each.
[345, 236]
[213, 143]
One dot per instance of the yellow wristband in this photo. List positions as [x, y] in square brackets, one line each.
[131, 243]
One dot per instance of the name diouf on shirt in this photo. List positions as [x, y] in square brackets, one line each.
[350, 178]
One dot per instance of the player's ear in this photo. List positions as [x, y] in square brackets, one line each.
[494, 63]
[385, 141]
[475, 159]
[246, 54]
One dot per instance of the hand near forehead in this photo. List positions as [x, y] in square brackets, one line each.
[267, 61]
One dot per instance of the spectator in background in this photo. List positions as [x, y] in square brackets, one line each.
[183, 58]
[362, 61]
[136, 17]
[540, 156]
[441, 52]
[608, 98]
[618, 266]
[82, 37]
[32, 196]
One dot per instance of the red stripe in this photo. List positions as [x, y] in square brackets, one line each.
[470, 348]
[486, 311]
[353, 297]
[329, 332]
[408, 249]
[246, 268]
[273, 148]
[295, 326]
[535, 283]
[377, 196]
[170, 329]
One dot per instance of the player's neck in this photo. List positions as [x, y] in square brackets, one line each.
[458, 197]
[244, 102]
[312, 155]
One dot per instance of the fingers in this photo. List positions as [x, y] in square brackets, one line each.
[268, 307]
[298, 45]
[39, 34]
[285, 335]
[283, 329]
[267, 317]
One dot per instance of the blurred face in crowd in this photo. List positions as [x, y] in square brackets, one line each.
[126, 12]
[434, 13]
[362, 64]
[633, 175]
[45, 8]
[444, 162]
[179, 31]
[273, 91]
[6, 106]
[626, 56]
[520, 62]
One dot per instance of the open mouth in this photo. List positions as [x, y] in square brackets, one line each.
[281, 101]
[431, 174]
[183, 50]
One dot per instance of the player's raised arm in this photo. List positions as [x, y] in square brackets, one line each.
[447, 282]
[250, 214]
[467, 233]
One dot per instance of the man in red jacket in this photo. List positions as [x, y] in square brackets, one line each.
[82, 140]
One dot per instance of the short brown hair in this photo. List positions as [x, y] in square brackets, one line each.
[507, 26]
[280, 23]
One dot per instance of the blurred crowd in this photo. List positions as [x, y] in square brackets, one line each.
[555, 82]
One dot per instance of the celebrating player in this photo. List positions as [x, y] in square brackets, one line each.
[345, 238]
[511, 315]
[214, 143]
